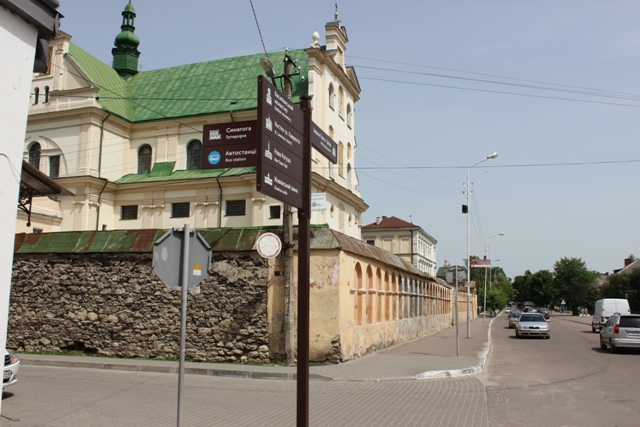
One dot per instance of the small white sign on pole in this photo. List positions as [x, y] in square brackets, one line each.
[318, 202]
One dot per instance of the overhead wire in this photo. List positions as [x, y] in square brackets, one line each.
[592, 92]
[490, 75]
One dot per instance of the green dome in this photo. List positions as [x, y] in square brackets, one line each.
[127, 39]
[129, 8]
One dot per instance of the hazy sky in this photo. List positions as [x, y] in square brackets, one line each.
[552, 86]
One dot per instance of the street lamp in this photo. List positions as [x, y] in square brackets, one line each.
[486, 254]
[493, 156]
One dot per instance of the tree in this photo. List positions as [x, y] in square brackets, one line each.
[573, 282]
[499, 289]
[624, 285]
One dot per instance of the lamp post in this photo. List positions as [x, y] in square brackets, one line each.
[486, 253]
[493, 156]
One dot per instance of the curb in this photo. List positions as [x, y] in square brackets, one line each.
[462, 372]
[171, 370]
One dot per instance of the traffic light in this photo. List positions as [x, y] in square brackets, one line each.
[465, 209]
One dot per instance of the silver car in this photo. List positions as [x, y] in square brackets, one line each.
[532, 325]
[11, 368]
[621, 330]
[512, 318]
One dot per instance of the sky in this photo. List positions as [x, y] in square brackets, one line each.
[551, 86]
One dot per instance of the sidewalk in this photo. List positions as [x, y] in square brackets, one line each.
[433, 356]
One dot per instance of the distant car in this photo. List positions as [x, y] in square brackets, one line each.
[621, 330]
[513, 319]
[544, 312]
[532, 325]
[11, 368]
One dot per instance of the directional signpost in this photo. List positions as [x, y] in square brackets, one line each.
[280, 146]
[230, 145]
[285, 137]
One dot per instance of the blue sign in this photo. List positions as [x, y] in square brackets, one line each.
[214, 157]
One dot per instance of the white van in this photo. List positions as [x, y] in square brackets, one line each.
[605, 308]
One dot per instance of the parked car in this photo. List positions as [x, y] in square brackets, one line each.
[605, 308]
[621, 330]
[513, 318]
[11, 368]
[532, 325]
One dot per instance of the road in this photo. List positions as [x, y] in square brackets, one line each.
[52, 397]
[564, 381]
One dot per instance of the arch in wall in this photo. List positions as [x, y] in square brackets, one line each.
[369, 298]
[379, 294]
[358, 294]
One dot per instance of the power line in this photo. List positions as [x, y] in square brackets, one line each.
[600, 91]
[532, 165]
[500, 92]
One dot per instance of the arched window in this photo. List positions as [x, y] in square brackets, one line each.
[348, 151]
[144, 159]
[34, 155]
[194, 155]
[46, 94]
[349, 115]
[340, 159]
[36, 94]
[340, 100]
[331, 96]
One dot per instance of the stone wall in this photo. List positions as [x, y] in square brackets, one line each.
[113, 304]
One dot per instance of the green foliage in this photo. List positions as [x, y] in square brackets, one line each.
[570, 281]
[499, 289]
[573, 282]
[624, 285]
[536, 287]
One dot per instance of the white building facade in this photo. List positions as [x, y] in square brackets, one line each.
[132, 162]
[409, 241]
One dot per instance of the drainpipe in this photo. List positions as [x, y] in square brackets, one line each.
[219, 203]
[100, 170]
[412, 260]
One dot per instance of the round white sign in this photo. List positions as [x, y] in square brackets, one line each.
[268, 245]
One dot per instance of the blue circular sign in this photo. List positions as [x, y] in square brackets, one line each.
[214, 157]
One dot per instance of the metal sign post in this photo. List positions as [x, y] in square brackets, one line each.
[193, 267]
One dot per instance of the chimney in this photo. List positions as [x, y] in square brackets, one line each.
[627, 261]
[378, 220]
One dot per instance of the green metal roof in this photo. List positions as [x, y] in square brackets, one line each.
[111, 85]
[203, 88]
[220, 240]
[179, 175]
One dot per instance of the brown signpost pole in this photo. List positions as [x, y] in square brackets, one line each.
[286, 135]
[304, 259]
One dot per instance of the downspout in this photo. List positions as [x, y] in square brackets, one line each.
[100, 169]
[412, 260]
[219, 203]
